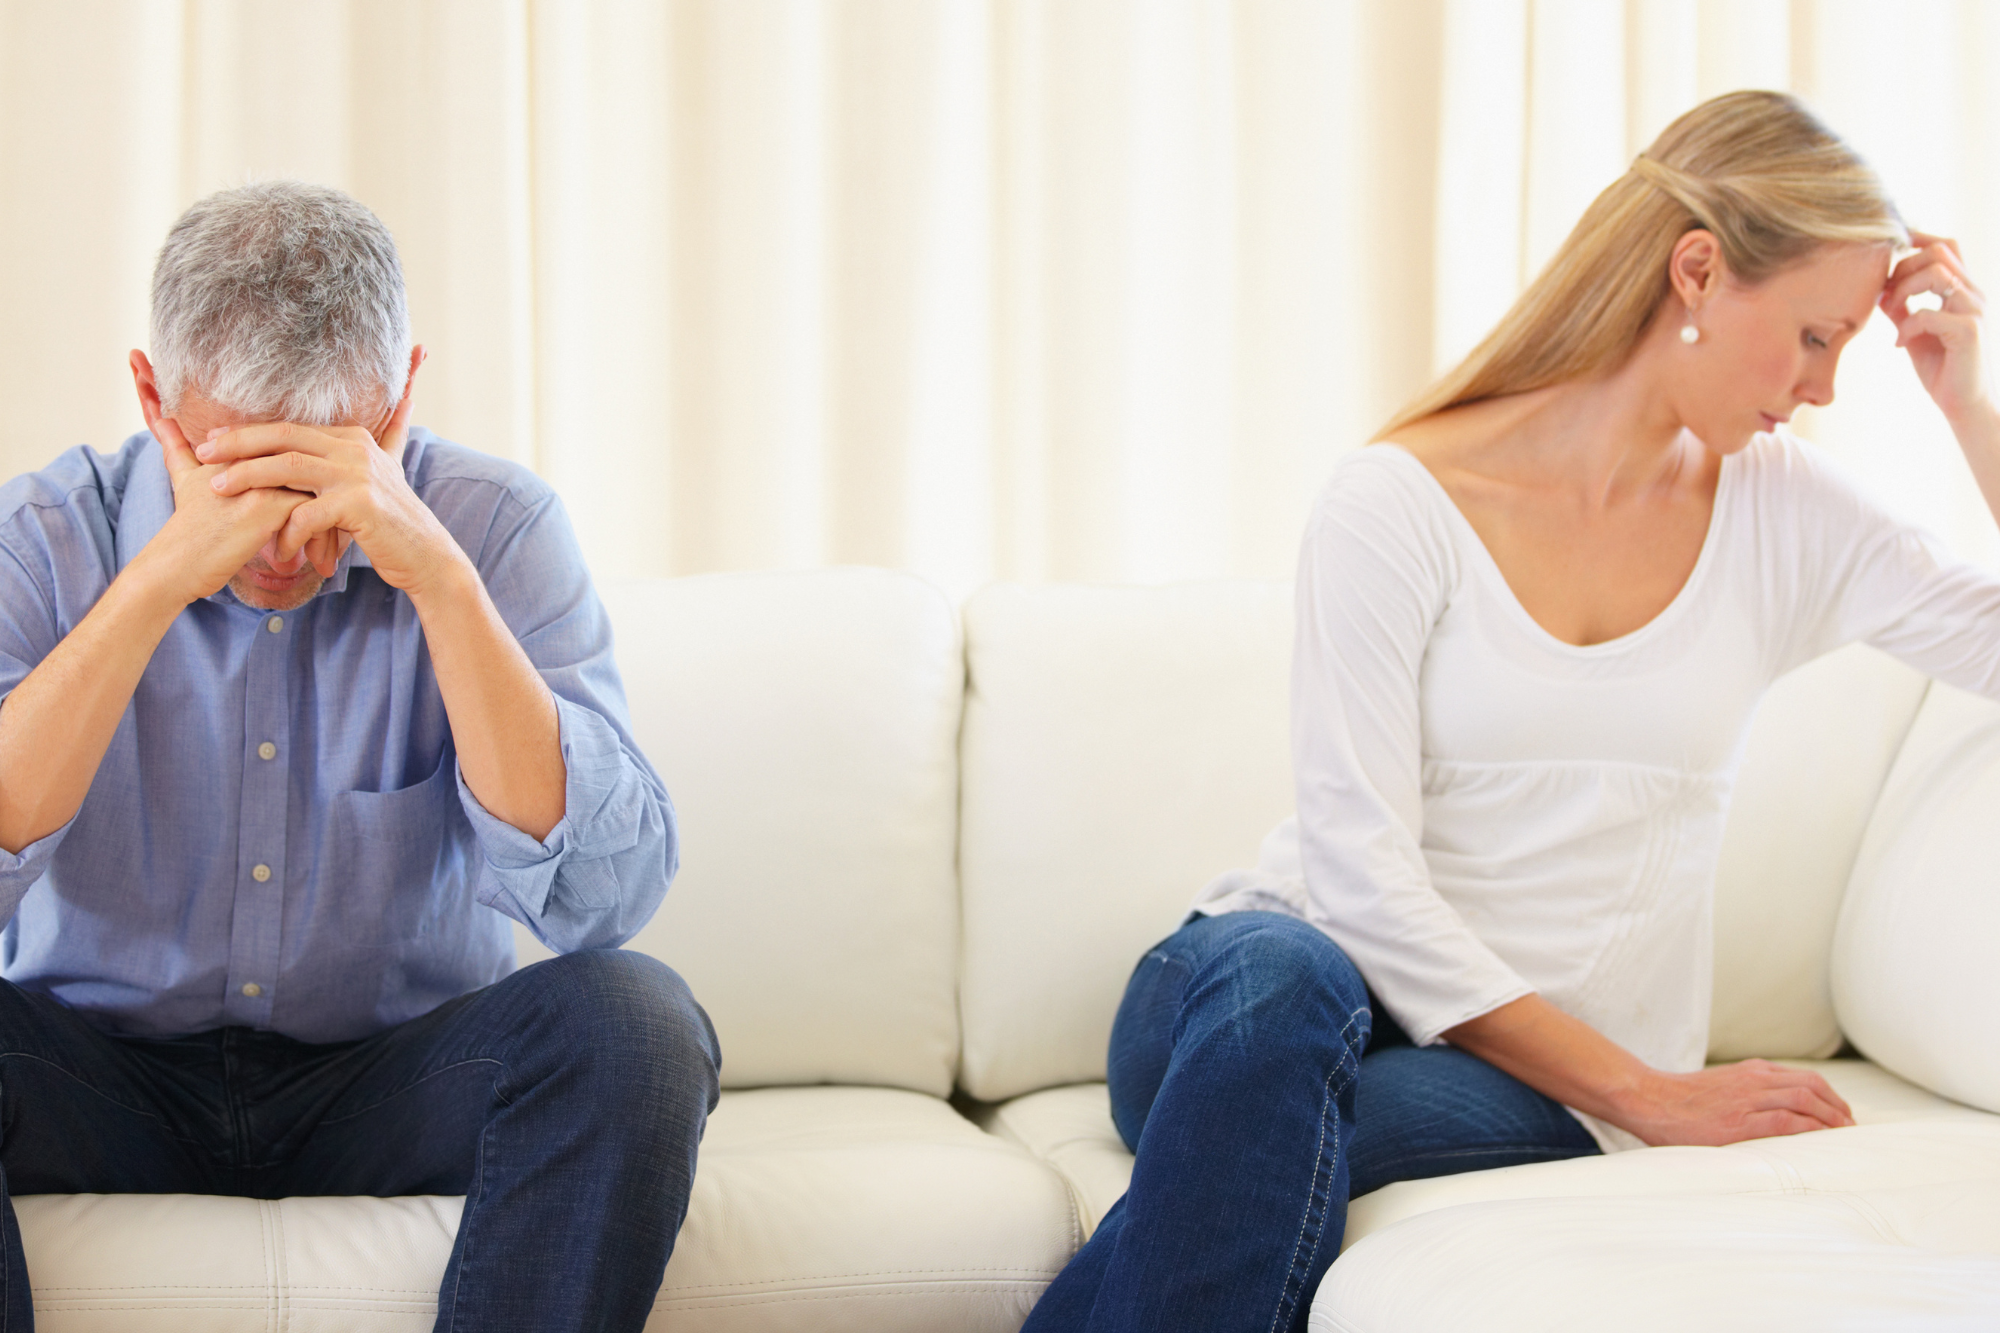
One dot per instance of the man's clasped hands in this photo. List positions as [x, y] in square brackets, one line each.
[280, 502]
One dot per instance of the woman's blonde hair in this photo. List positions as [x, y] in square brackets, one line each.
[1756, 169]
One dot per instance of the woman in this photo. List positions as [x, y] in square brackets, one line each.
[1534, 619]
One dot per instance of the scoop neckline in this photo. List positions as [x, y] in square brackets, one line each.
[1505, 592]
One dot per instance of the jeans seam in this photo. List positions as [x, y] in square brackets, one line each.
[104, 1096]
[1335, 1083]
[465, 1225]
[388, 1097]
[10, 1236]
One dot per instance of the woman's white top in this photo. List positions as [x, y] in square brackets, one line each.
[1486, 811]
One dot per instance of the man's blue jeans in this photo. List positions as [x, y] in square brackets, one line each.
[565, 1102]
[1260, 1089]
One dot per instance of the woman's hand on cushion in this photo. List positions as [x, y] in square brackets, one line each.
[1752, 1099]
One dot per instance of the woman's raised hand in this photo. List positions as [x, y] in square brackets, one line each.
[1943, 343]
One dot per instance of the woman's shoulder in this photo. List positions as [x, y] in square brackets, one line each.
[1381, 470]
[1379, 483]
[1781, 472]
[1382, 510]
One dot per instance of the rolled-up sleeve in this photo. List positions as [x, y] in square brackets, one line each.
[602, 870]
[32, 541]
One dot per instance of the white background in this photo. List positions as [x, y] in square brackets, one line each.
[1030, 289]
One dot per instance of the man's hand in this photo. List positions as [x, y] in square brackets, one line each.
[211, 534]
[351, 485]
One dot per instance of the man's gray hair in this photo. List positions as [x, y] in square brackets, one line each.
[281, 301]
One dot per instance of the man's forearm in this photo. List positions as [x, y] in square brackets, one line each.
[56, 724]
[503, 717]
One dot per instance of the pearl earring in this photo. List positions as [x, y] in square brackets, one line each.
[1689, 333]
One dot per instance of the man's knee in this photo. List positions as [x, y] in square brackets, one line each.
[629, 1024]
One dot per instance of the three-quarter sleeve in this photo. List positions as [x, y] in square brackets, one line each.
[602, 870]
[1374, 575]
[1862, 574]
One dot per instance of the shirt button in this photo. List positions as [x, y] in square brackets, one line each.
[260, 873]
[267, 751]
[274, 624]
[252, 989]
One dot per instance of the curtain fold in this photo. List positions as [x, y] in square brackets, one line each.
[1074, 289]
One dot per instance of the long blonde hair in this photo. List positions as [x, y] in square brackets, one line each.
[1756, 169]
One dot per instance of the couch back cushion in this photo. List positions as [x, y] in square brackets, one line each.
[1819, 751]
[806, 727]
[1914, 978]
[1122, 746]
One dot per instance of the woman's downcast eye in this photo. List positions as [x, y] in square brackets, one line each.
[1814, 340]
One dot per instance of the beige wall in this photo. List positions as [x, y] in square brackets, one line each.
[1082, 289]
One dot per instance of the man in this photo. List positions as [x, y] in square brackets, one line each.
[301, 705]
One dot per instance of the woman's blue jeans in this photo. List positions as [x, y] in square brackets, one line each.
[565, 1102]
[1260, 1088]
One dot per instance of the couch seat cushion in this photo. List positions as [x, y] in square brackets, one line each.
[1913, 1258]
[1071, 1129]
[814, 1208]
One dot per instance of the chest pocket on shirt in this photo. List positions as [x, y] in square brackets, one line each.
[398, 844]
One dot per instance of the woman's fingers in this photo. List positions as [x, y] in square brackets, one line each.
[1932, 270]
[1771, 1124]
[1950, 329]
[1924, 240]
[1825, 1089]
[1803, 1092]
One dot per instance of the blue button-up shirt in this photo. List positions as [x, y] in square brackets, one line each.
[279, 836]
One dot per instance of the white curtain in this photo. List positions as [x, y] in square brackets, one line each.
[1077, 289]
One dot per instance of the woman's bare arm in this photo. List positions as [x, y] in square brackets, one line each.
[1567, 1059]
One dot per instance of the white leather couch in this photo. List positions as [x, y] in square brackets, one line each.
[922, 850]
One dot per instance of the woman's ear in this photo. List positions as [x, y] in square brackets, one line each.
[1695, 267]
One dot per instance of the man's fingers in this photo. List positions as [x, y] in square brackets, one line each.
[306, 522]
[174, 446]
[398, 429]
[273, 437]
[291, 470]
[322, 551]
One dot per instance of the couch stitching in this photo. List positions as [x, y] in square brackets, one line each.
[995, 1274]
[781, 1297]
[284, 1292]
[270, 1270]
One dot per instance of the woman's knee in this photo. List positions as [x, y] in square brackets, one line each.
[1272, 989]
[1272, 958]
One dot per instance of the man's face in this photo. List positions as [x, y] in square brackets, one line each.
[261, 583]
